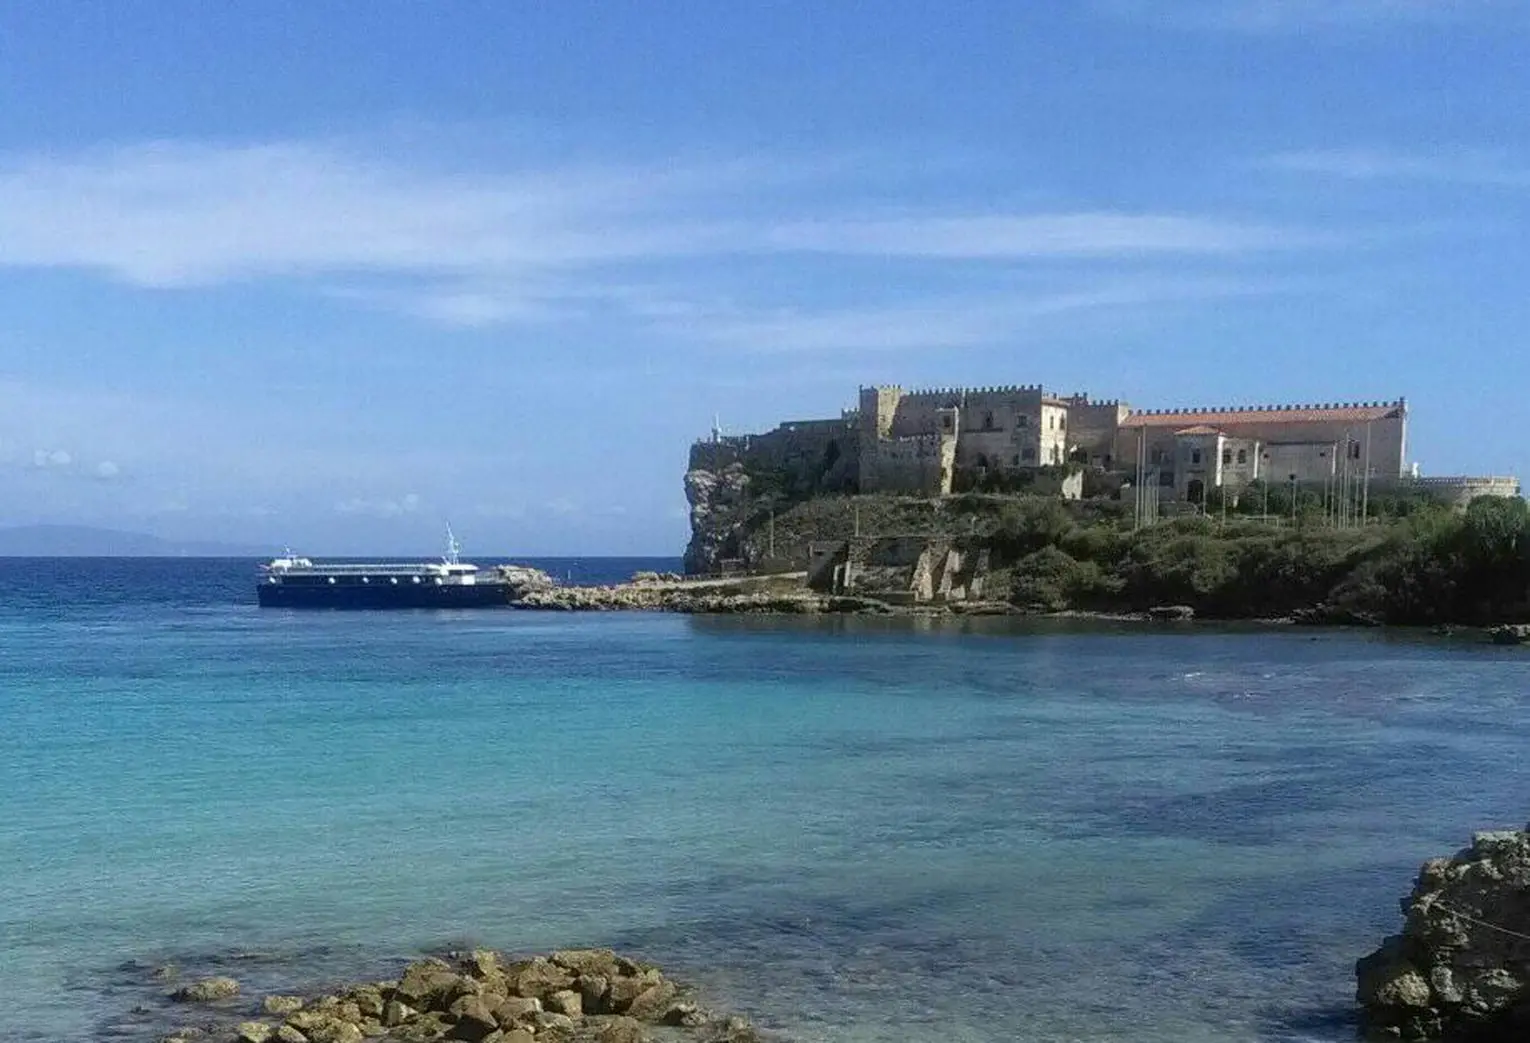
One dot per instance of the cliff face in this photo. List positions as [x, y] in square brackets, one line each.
[1460, 969]
[719, 500]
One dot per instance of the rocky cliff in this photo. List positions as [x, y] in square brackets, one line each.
[1460, 969]
[719, 501]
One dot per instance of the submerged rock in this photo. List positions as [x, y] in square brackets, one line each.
[207, 990]
[570, 996]
[1460, 969]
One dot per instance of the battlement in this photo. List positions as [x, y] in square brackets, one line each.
[1400, 403]
[998, 389]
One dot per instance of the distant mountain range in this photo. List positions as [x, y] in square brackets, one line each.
[81, 541]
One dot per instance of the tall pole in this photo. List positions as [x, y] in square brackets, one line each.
[1365, 481]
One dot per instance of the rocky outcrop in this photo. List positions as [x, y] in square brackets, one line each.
[719, 500]
[522, 580]
[1460, 969]
[571, 996]
[693, 599]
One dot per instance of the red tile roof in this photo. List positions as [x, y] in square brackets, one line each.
[1336, 413]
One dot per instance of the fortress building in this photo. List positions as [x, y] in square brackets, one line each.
[926, 441]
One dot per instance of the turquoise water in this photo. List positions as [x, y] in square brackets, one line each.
[853, 829]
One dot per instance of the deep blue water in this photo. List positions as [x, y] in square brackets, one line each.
[857, 830]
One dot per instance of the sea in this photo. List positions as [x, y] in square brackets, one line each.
[849, 829]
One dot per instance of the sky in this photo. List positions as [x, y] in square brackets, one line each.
[329, 275]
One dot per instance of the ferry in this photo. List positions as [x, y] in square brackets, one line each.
[296, 582]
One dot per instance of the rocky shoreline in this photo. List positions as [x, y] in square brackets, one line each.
[568, 996]
[1460, 968]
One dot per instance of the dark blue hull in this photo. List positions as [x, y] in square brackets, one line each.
[379, 596]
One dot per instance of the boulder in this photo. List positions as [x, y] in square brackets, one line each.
[254, 1032]
[594, 993]
[426, 1028]
[1171, 613]
[288, 1034]
[587, 962]
[566, 1002]
[516, 1010]
[474, 1019]
[619, 1030]
[546, 1020]
[368, 1001]
[686, 1015]
[653, 1002]
[517, 1036]
[1461, 966]
[396, 1013]
[632, 984]
[207, 990]
[538, 978]
[333, 1030]
[281, 1006]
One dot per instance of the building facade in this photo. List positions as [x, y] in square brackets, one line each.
[923, 441]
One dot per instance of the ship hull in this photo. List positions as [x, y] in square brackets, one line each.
[382, 596]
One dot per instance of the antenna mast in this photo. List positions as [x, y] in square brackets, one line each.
[453, 548]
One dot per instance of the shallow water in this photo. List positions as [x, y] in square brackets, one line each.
[857, 830]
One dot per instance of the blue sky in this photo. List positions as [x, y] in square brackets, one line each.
[329, 274]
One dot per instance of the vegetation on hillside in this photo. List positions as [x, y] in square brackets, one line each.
[1414, 562]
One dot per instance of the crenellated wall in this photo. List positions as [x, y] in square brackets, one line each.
[919, 439]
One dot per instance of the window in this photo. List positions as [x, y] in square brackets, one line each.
[1062, 422]
[1354, 450]
[945, 421]
[1156, 457]
[1195, 456]
[1015, 462]
[1022, 420]
[1226, 456]
[988, 421]
[1029, 454]
[1243, 456]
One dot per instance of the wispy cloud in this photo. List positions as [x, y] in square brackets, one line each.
[1277, 16]
[1480, 168]
[1009, 236]
[409, 503]
[518, 245]
[952, 322]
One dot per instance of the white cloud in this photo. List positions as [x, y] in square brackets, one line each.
[407, 504]
[1485, 169]
[1037, 236]
[106, 470]
[519, 245]
[52, 458]
[952, 322]
[1273, 16]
